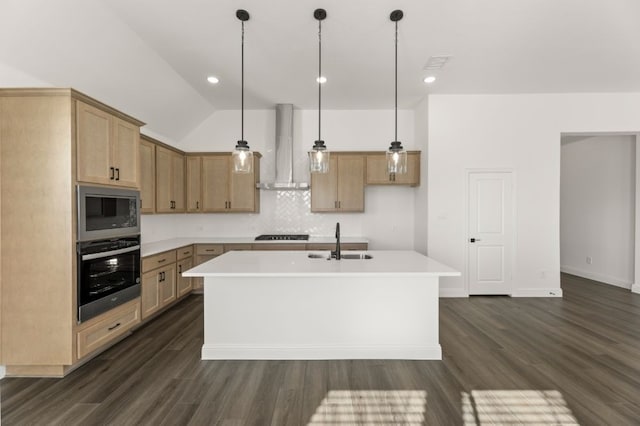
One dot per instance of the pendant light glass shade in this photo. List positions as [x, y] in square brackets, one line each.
[319, 156]
[396, 159]
[396, 155]
[242, 156]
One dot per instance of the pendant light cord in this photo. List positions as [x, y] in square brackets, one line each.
[319, 76]
[242, 87]
[396, 82]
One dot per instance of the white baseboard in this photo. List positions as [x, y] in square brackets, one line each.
[3, 371]
[453, 292]
[635, 288]
[304, 352]
[537, 292]
[595, 276]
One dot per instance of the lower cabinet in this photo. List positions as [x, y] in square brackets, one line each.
[204, 253]
[184, 284]
[107, 327]
[158, 289]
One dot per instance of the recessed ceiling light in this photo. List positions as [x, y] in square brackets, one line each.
[430, 79]
[213, 79]
[322, 79]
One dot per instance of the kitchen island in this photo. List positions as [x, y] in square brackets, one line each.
[288, 305]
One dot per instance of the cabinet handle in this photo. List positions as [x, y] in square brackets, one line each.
[162, 260]
[179, 269]
[117, 174]
[185, 252]
[197, 205]
[335, 204]
[114, 327]
[210, 250]
[229, 204]
[112, 175]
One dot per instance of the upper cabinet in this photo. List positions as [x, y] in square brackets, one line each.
[107, 147]
[194, 184]
[170, 178]
[226, 192]
[342, 189]
[147, 176]
[377, 170]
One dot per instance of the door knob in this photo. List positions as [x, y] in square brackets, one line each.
[473, 240]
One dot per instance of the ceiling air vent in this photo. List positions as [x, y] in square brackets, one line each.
[436, 62]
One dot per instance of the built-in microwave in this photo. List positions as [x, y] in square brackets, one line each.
[107, 212]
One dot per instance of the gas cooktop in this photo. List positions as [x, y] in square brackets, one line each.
[282, 237]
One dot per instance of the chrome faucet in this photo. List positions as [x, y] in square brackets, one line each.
[336, 254]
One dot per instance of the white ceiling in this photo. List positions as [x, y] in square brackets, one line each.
[152, 57]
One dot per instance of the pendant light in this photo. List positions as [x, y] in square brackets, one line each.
[396, 155]
[319, 156]
[242, 155]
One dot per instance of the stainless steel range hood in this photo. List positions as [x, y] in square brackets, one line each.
[282, 146]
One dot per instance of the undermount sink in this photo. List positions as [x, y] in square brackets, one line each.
[348, 256]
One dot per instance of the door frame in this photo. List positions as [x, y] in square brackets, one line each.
[514, 217]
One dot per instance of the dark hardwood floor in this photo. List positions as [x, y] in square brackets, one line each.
[513, 361]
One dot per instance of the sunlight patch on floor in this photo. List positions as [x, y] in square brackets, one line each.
[380, 407]
[522, 407]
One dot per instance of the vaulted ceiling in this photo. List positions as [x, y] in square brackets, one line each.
[151, 57]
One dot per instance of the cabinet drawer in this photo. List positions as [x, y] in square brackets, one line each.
[237, 247]
[286, 246]
[209, 249]
[184, 252]
[152, 262]
[113, 325]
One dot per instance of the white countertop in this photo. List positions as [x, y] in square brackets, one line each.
[297, 263]
[156, 247]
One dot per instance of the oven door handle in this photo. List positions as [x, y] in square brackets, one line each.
[109, 253]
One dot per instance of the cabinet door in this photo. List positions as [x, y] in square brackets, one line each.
[351, 183]
[150, 294]
[93, 132]
[194, 186]
[125, 151]
[215, 183]
[183, 284]
[147, 176]
[377, 170]
[178, 178]
[242, 191]
[324, 188]
[167, 286]
[163, 180]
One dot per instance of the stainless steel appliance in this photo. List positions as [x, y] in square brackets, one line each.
[108, 274]
[107, 212]
[282, 237]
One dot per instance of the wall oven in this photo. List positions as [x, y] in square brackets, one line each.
[107, 212]
[108, 274]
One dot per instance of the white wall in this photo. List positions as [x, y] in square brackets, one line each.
[520, 132]
[388, 220]
[597, 207]
[422, 193]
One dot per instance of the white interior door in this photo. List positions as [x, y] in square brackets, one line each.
[490, 239]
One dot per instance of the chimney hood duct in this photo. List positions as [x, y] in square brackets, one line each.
[283, 150]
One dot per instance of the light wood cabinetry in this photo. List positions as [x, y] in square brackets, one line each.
[147, 176]
[342, 189]
[170, 179]
[107, 147]
[43, 154]
[281, 246]
[377, 170]
[184, 263]
[101, 330]
[226, 192]
[194, 184]
[158, 282]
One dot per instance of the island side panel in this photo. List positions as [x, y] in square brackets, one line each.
[337, 317]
